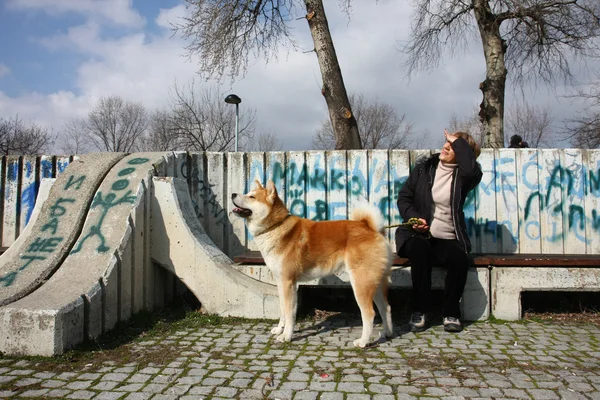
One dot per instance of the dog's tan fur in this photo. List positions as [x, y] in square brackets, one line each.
[297, 249]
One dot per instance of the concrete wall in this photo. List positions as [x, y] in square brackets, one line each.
[538, 201]
[529, 201]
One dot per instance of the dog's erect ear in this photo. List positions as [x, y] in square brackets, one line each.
[271, 190]
[257, 184]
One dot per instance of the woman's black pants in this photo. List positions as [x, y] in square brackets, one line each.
[423, 255]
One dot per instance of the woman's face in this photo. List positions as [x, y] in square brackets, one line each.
[447, 155]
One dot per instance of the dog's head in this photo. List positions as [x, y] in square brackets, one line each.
[256, 204]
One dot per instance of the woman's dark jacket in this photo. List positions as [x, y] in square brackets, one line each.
[415, 199]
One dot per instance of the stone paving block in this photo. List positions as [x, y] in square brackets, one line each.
[293, 385]
[240, 383]
[351, 387]
[543, 394]
[305, 396]
[167, 397]
[201, 390]
[118, 377]
[139, 378]
[131, 387]
[105, 385]
[78, 385]
[405, 396]
[27, 382]
[53, 383]
[491, 392]
[188, 380]
[35, 393]
[331, 396]
[59, 393]
[138, 396]
[581, 387]
[81, 394]
[516, 393]
[44, 375]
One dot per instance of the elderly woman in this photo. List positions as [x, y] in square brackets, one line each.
[434, 195]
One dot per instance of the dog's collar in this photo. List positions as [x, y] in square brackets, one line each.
[277, 225]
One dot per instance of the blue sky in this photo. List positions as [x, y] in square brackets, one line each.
[59, 57]
[36, 68]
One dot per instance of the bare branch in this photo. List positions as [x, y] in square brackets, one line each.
[204, 122]
[226, 35]
[379, 125]
[17, 137]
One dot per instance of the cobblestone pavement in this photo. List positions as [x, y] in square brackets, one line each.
[241, 360]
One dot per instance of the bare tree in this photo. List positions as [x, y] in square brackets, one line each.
[74, 138]
[226, 34]
[266, 142]
[161, 134]
[471, 124]
[379, 125]
[584, 130]
[112, 125]
[532, 123]
[526, 38]
[17, 137]
[204, 122]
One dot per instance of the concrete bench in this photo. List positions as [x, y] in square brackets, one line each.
[494, 283]
[476, 298]
[514, 274]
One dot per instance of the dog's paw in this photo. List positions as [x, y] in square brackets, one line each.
[386, 334]
[277, 330]
[360, 343]
[283, 338]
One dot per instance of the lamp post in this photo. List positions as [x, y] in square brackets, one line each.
[233, 99]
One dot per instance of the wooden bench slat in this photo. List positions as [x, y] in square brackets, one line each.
[505, 260]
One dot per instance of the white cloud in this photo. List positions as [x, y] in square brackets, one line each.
[119, 12]
[167, 17]
[4, 70]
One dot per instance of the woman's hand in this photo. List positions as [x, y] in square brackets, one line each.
[450, 137]
[422, 227]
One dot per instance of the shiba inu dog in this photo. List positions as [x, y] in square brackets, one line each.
[297, 249]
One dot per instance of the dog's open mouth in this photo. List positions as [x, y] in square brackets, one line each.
[242, 212]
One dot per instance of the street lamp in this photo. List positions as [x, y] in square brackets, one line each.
[233, 99]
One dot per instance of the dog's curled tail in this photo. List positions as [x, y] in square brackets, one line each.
[370, 215]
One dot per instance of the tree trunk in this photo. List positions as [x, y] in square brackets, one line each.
[491, 110]
[344, 124]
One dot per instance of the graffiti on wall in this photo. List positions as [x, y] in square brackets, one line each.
[301, 180]
[107, 201]
[47, 241]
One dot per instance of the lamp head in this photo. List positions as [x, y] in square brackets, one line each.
[233, 99]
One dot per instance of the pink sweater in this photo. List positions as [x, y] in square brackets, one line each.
[442, 226]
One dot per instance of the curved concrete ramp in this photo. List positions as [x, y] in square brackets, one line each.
[102, 279]
[180, 244]
[33, 259]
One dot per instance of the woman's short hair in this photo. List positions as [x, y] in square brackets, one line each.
[472, 143]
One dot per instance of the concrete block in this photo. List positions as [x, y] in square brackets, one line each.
[475, 304]
[97, 254]
[181, 246]
[508, 284]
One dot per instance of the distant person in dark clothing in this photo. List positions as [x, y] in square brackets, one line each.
[515, 142]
